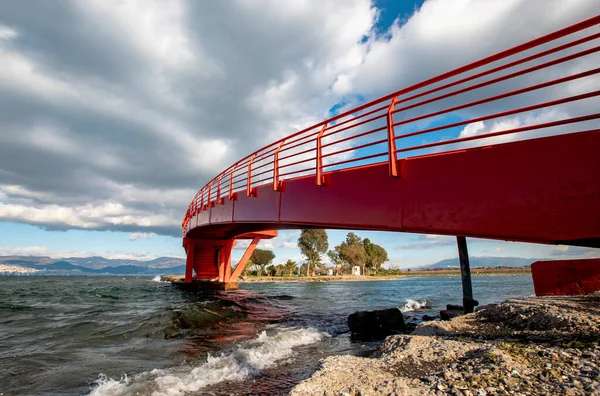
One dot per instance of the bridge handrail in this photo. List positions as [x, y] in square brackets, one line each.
[277, 161]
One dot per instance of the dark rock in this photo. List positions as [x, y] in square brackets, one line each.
[427, 318]
[377, 323]
[452, 307]
[449, 314]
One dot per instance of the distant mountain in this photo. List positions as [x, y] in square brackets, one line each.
[101, 262]
[482, 262]
[97, 265]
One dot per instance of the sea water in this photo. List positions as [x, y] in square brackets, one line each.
[136, 335]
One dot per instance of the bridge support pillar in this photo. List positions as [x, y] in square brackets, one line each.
[465, 273]
[208, 263]
[189, 260]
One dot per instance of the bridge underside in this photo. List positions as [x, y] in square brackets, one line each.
[544, 190]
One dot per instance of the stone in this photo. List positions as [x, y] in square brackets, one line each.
[377, 323]
[449, 314]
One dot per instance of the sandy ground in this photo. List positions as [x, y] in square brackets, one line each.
[531, 346]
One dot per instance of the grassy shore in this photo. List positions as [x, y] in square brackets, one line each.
[368, 278]
[403, 274]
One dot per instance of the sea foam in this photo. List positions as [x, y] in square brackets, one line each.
[245, 361]
[413, 305]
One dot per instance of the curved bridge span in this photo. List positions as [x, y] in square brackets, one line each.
[507, 147]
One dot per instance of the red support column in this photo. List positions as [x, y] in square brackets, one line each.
[221, 263]
[189, 262]
[227, 249]
[242, 264]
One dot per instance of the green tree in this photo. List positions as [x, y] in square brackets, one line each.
[335, 260]
[261, 258]
[290, 267]
[376, 255]
[270, 270]
[352, 251]
[312, 244]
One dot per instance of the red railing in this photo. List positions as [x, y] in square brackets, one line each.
[430, 116]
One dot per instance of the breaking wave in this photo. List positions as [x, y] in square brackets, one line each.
[414, 305]
[158, 278]
[245, 361]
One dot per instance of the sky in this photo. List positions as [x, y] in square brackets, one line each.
[114, 113]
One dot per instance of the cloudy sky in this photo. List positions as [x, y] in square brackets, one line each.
[114, 113]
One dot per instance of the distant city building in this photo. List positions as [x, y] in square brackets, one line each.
[356, 270]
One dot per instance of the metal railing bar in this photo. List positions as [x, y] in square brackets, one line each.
[383, 128]
[356, 148]
[356, 125]
[502, 67]
[263, 165]
[503, 114]
[502, 78]
[502, 96]
[298, 171]
[505, 132]
[368, 113]
[298, 153]
[263, 172]
[285, 147]
[297, 162]
[357, 159]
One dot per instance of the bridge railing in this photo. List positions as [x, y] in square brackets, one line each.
[544, 87]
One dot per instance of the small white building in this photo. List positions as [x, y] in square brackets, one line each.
[330, 272]
[356, 270]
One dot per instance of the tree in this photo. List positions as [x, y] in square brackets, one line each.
[290, 267]
[376, 255]
[352, 251]
[335, 260]
[261, 258]
[312, 244]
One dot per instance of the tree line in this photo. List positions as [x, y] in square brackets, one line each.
[314, 245]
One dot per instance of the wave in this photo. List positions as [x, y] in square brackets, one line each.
[414, 305]
[158, 278]
[245, 361]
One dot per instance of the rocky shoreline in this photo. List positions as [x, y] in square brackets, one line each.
[537, 346]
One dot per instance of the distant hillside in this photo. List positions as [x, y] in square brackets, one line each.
[97, 265]
[484, 262]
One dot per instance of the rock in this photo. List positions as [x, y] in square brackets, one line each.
[427, 318]
[449, 314]
[452, 307]
[377, 323]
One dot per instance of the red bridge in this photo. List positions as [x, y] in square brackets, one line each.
[507, 147]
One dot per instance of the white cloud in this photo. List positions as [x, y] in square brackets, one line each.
[140, 235]
[573, 252]
[6, 33]
[429, 241]
[89, 216]
[133, 106]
